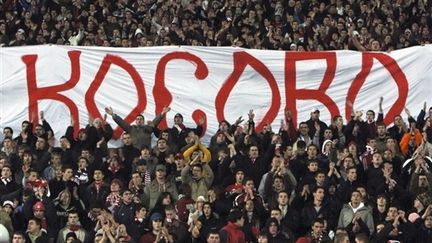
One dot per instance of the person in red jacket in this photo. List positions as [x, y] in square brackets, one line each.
[232, 232]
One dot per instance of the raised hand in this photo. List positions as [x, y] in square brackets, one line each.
[239, 120]
[109, 110]
[251, 115]
[201, 121]
[41, 115]
[98, 144]
[165, 110]
[407, 112]
[229, 137]
[288, 114]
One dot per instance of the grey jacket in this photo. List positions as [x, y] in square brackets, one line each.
[153, 190]
[140, 135]
[347, 214]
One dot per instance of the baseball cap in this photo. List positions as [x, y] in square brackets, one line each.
[155, 216]
[179, 115]
[160, 167]
[315, 110]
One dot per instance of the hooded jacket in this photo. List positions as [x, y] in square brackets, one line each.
[348, 213]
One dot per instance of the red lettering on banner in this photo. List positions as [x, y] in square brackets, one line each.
[163, 96]
[36, 93]
[100, 76]
[395, 71]
[293, 94]
[241, 60]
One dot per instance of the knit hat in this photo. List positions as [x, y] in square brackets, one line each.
[201, 199]
[39, 206]
[425, 198]
[10, 203]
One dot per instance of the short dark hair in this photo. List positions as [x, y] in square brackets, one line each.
[139, 206]
[350, 168]
[317, 188]
[125, 190]
[19, 233]
[73, 212]
[371, 111]
[312, 145]
[235, 215]
[301, 144]
[246, 179]
[185, 189]
[212, 232]
[37, 221]
[198, 165]
[170, 208]
[380, 123]
[284, 191]
[8, 128]
[276, 208]
[65, 167]
[317, 220]
[207, 203]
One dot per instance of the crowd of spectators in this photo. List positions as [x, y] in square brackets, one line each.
[318, 182]
[358, 181]
[271, 24]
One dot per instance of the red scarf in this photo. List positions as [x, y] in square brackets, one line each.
[74, 228]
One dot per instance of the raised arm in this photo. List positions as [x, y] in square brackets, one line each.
[122, 123]
[354, 39]
[159, 117]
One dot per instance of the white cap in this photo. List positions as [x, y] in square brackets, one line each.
[138, 31]
[8, 202]
[201, 198]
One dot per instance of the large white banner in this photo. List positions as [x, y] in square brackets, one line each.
[218, 83]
